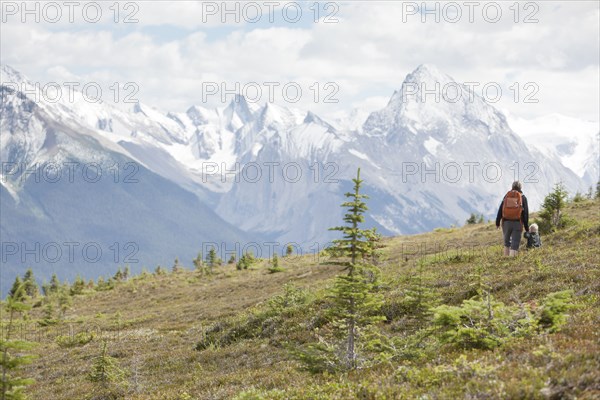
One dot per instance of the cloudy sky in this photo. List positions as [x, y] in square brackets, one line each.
[356, 53]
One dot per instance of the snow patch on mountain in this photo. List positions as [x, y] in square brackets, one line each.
[574, 143]
[205, 150]
[359, 154]
[432, 146]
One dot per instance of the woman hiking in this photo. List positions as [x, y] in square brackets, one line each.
[513, 214]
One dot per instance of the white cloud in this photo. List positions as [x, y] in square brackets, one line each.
[367, 54]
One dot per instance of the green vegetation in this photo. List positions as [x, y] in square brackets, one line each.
[12, 351]
[275, 267]
[475, 218]
[30, 286]
[212, 260]
[107, 375]
[486, 323]
[552, 216]
[436, 315]
[78, 286]
[246, 261]
[16, 291]
[355, 305]
[175, 268]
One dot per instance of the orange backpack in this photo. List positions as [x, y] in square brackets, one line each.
[512, 207]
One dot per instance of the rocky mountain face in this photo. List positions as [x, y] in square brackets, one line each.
[73, 201]
[249, 172]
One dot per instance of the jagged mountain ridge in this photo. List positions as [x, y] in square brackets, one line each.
[469, 136]
[572, 142]
[50, 212]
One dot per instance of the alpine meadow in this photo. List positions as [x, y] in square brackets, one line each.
[440, 314]
[299, 200]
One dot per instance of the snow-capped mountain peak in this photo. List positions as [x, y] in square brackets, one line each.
[238, 113]
[200, 115]
[431, 103]
[9, 74]
[312, 118]
[413, 127]
[273, 115]
[572, 142]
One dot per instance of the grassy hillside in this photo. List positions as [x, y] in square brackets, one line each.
[186, 336]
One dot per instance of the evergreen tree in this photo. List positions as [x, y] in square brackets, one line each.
[552, 216]
[65, 287]
[198, 261]
[242, 263]
[475, 218]
[374, 244]
[78, 286]
[212, 260]
[126, 273]
[176, 266]
[355, 241]
[48, 314]
[598, 190]
[64, 302]
[45, 288]
[106, 371]
[17, 291]
[199, 264]
[54, 284]
[289, 250]
[356, 307]
[250, 259]
[418, 297]
[246, 261]
[101, 283]
[472, 219]
[110, 284]
[275, 264]
[231, 259]
[30, 285]
[12, 383]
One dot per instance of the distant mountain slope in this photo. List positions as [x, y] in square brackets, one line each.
[273, 172]
[575, 143]
[54, 206]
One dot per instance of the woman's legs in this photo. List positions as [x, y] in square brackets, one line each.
[512, 237]
[506, 233]
[515, 238]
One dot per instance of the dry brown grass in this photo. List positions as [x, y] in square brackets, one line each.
[153, 323]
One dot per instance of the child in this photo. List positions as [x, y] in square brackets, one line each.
[533, 237]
